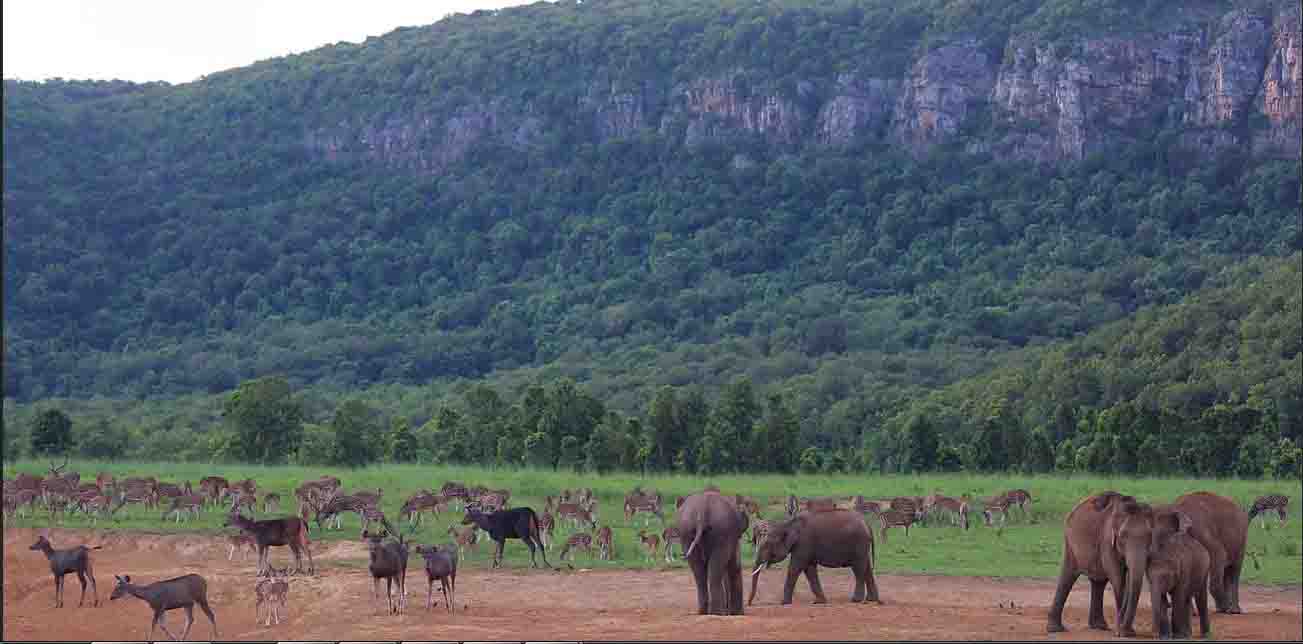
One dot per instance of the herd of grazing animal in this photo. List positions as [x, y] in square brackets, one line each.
[1187, 550]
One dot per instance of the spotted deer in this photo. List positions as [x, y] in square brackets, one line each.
[240, 542]
[492, 502]
[546, 528]
[335, 508]
[648, 506]
[417, 504]
[759, 530]
[605, 543]
[996, 507]
[896, 518]
[465, 536]
[242, 501]
[213, 488]
[669, 537]
[1019, 497]
[955, 509]
[271, 502]
[273, 592]
[186, 504]
[575, 514]
[1278, 503]
[650, 543]
[866, 507]
[577, 541]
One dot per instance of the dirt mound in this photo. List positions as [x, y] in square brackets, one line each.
[545, 605]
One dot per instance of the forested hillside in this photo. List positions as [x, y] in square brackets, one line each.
[642, 194]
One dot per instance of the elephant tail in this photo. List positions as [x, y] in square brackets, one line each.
[873, 551]
[697, 537]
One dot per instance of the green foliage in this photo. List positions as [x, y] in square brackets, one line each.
[102, 440]
[357, 433]
[51, 433]
[267, 418]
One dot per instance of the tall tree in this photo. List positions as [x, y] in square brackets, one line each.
[268, 419]
[51, 433]
[357, 434]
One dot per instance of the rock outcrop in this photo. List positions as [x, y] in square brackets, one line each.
[1231, 82]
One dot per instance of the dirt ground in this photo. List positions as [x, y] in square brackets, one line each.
[541, 605]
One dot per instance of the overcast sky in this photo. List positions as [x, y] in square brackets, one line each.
[180, 40]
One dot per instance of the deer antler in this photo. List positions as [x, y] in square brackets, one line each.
[390, 529]
[55, 470]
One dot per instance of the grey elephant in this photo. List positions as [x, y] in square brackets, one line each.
[829, 538]
[1178, 576]
[710, 529]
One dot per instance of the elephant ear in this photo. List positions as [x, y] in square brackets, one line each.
[792, 532]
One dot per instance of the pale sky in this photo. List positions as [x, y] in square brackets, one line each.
[180, 40]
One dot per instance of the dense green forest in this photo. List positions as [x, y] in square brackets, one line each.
[634, 302]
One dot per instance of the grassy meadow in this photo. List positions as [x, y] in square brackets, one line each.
[1026, 547]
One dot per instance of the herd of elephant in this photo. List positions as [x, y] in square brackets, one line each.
[1187, 549]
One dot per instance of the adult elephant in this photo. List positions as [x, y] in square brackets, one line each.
[829, 538]
[1106, 537]
[1223, 528]
[710, 530]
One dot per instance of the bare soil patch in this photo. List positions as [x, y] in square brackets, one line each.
[541, 605]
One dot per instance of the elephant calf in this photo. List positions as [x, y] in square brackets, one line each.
[1178, 569]
[829, 538]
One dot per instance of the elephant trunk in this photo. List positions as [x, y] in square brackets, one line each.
[1137, 564]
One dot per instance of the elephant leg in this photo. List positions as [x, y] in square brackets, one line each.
[857, 593]
[870, 583]
[812, 576]
[698, 566]
[1217, 578]
[1067, 577]
[1181, 614]
[1096, 619]
[1201, 603]
[789, 582]
[1233, 587]
[735, 582]
[716, 570]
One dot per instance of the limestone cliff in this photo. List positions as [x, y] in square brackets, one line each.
[1234, 81]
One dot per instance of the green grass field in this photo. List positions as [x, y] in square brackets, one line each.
[1026, 547]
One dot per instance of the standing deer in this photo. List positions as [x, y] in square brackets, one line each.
[179, 592]
[185, 504]
[441, 564]
[289, 531]
[65, 561]
[239, 542]
[388, 562]
[466, 537]
[273, 592]
[670, 536]
[605, 543]
[546, 529]
[650, 542]
[578, 540]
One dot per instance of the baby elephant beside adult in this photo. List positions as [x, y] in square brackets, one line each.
[1178, 576]
[829, 538]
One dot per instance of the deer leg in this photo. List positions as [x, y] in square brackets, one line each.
[81, 577]
[189, 620]
[162, 623]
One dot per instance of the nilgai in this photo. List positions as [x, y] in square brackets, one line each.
[63, 562]
[179, 592]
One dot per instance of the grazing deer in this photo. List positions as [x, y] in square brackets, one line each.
[650, 543]
[669, 537]
[419, 503]
[546, 529]
[179, 592]
[465, 536]
[239, 542]
[895, 518]
[388, 562]
[575, 514]
[605, 543]
[578, 540]
[1263, 505]
[65, 561]
[867, 507]
[956, 509]
[289, 531]
[337, 506]
[213, 488]
[1019, 497]
[441, 564]
[273, 592]
[103, 480]
[996, 507]
[185, 504]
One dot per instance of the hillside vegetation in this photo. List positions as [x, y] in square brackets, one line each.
[166, 245]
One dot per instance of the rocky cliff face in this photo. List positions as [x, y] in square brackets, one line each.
[1235, 82]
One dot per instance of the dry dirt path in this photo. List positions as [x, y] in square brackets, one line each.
[540, 605]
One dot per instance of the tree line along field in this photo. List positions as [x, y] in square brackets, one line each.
[1028, 546]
